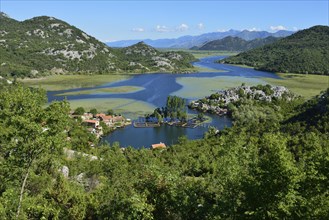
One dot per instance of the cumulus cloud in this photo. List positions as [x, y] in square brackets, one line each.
[138, 29]
[200, 26]
[278, 28]
[162, 28]
[295, 29]
[182, 27]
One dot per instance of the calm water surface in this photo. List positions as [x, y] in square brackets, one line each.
[157, 88]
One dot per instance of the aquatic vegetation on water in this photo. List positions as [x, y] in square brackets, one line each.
[195, 88]
[118, 105]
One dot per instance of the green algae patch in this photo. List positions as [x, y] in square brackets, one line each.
[306, 85]
[111, 90]
[65, 82]
[124, 106]
[195, 88]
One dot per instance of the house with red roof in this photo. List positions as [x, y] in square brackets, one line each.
[158, 146]
[92, 123]
[107, 119]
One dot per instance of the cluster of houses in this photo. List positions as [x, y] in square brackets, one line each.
[93, 122]
[217, 103]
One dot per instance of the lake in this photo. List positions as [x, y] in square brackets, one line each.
[157, 87]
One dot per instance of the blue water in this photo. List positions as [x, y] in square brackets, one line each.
[157, 88]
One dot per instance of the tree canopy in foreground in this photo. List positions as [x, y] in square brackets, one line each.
[272, 166]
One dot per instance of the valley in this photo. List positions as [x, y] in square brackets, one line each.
[220, 111]
[156, 87]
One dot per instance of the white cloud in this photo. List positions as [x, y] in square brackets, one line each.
[200, 26]
[253, 29]
[162, 28]
[278, 28]
[138, 29]
[182, 27]
[295, 29]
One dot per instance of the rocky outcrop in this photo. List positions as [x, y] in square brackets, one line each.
[217, 103]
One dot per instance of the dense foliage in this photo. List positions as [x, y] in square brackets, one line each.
[236, 44]
[303, 52]
[175, 109]
[45, 45]
[272, 164]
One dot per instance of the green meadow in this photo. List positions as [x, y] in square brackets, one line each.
[202, 53]
[205, 69]
[113, 90]
[207, 53]
[124, 106]
[64, 82]
[301, 84]
[196, 88]
[305, 85]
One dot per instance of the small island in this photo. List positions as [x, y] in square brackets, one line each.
[173, 114]
[220, 102]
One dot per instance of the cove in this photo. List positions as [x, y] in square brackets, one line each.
[157, 87]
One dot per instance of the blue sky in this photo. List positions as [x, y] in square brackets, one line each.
[122, 20]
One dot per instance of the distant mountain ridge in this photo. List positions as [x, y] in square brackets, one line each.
[305, 52]
[191, 41]
[46, 45]
[236, 44]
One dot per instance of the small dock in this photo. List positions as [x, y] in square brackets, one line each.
[146, 124]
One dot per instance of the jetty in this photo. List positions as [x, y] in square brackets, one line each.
[146, 124]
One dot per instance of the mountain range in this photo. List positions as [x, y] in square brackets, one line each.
[306, 51]
[46, 45]
[236, 44]
[186, 42]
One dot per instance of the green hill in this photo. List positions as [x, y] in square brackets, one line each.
[236, 44]
[146, 58]
[306, 51]
[45, 45]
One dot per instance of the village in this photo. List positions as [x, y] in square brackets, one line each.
[95, 122]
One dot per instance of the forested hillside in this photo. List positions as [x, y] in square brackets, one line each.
[236, 44]
[303, 52]
[189, 41]
[45, 45]
[272, 164]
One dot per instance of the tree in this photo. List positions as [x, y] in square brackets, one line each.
[79, 111]
[158, 116]
[200, 116]
[93, 111]
[110, 112]
[272, 192]
[30, 136]
[176, 108]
